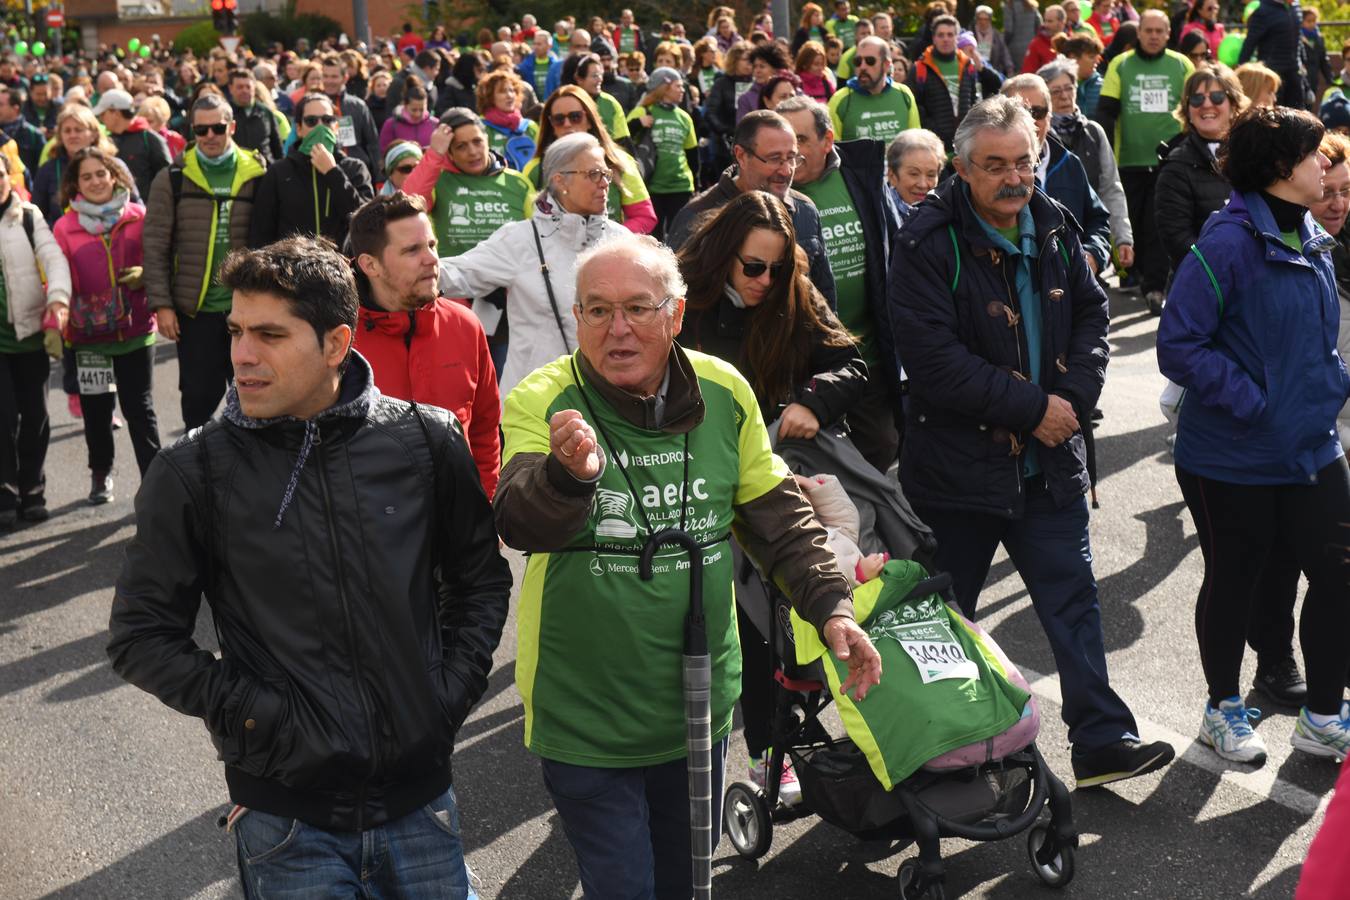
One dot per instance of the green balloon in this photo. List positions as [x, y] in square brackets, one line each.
[145, 50]
[1229, 49]
[1249, 9]
[134, 44]
[21, 48]
[39, 49]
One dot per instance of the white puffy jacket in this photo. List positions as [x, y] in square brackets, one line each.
[509, 259]
[26, 297]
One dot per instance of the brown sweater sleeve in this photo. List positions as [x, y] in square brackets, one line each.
[539, 506]
[779, 532]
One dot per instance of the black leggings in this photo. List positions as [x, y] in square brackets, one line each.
[135, 373]
[1237, 525]
[667, 207]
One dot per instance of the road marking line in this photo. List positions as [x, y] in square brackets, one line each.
[1264, 782]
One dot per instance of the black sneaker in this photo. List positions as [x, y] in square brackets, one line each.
[1282, 682]
[1116, 762]
[33, 507]
[9, 509]
[101, 491]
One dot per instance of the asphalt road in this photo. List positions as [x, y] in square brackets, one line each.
[104, 793]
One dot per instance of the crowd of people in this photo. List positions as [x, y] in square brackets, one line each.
[615, 256]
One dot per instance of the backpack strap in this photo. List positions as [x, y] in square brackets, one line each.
[28, 227]
[176, 183]
[1214, 282]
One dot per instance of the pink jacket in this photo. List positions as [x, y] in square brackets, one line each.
[1214, 36]
[397, 128]
[101, 310]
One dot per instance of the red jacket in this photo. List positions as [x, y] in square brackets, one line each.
[1328, 865]
[438, 355]
[1039, 52]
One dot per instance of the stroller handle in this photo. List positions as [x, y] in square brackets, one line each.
[695, 629]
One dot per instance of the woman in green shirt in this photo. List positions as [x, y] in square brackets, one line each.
[666, 132]
[509, 133]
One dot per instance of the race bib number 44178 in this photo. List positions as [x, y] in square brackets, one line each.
[95, 372]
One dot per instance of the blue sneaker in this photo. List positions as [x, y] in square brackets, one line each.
[1228, 730]
[1330, 740]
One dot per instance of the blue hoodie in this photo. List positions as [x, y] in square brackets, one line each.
[1250, 333]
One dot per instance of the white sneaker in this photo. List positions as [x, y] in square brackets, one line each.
[1229, 731]
[1331, 740]
[789, 791]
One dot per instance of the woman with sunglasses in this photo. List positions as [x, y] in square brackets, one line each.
[750, 301]
[1250, 332]
[1203, 19]
[1190, 184]
[534, 260]
[400, 160]
[570, 110]
[673, 145]
[110, 324]
[315, 187]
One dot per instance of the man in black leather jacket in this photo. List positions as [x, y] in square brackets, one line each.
[348, 553]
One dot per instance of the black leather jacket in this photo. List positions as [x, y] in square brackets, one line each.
[354, 636]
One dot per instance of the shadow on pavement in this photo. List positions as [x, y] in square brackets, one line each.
[189, 859]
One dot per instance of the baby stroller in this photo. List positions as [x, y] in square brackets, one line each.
[987, 791]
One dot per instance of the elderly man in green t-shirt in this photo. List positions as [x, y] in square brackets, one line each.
[604, 448]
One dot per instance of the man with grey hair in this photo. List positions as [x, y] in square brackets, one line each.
[605, 448]
[1002, 327]
[767, 158]
[846, 181]
[871, 105]
[199, 210]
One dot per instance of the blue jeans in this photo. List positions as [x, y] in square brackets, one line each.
[629, 828]
[1051, 550]
[415, 857]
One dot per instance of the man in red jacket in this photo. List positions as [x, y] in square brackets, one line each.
[421, 346]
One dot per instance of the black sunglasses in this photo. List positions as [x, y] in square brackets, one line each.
[311, 121]
[576, 117]
[869, 60]
[218, 128]
[1218, 98]
[1038, 112]
[757, 268]
[405, 169]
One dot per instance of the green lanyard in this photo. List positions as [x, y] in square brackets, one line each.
[327, 201]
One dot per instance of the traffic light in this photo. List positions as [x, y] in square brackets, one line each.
[224, 15]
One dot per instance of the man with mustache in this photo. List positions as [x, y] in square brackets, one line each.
[1002, 327]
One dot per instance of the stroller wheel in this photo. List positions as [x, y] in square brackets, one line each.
[747, 821]
[1058, 870]
[908, 876]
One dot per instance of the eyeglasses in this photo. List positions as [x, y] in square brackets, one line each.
[755, 268]
[405, 169]
[1218, 98]
[1038, 112]
[218, 128]
[311, 121]
[595, 176]
[777, 161]
[1342, 194]
[576, 117]
[1000, 170]
[598, 315]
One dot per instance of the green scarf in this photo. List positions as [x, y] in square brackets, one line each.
[321, 134]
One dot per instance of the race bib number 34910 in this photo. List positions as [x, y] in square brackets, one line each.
[936, 652]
